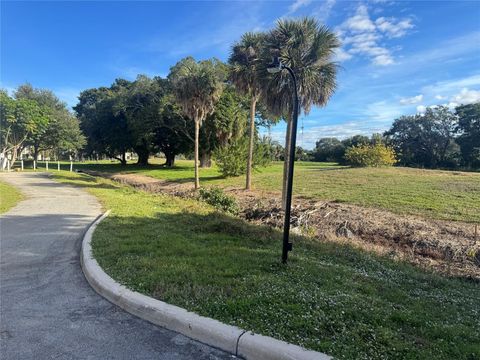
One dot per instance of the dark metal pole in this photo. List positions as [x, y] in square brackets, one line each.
[287, 246]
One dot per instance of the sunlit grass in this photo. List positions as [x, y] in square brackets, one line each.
[448, 195]
[9, 197]
[331, 298]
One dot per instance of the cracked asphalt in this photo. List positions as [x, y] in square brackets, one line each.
[47, 308]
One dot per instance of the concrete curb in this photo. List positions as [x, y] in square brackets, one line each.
[206, 330]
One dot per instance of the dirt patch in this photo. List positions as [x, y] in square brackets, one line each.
[449, 247]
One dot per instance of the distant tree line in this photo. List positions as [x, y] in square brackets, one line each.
[439, 138]
[36, 119]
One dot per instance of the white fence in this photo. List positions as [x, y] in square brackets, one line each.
[46, 165]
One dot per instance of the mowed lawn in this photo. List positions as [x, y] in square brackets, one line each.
[9, 196]
[448, 195]
[331, 298]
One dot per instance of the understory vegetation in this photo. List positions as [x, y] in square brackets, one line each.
[370, 155]
[9, 197]
[436, 194]
[330, 297]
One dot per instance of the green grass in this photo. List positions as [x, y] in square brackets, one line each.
[447, 195]
[9, 197]
[330, 298]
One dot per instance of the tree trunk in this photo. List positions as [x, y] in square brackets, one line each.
[123, 161]
[288, 139]
[169, 159]
[197, 133]
[14, 156]
[143, 154]
[248, 185]
[36, 150]
[205, 160]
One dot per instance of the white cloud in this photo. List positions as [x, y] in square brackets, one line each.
[453, 86]
[384, 59]
[466, 96]
[362, 36]
[322, 12]
[360, 22]
[421, 109]
[297, 4]
[340, 131]
[383, 111]
[412, 100]
[342, 55]
[440, 97]
[392, 27]
[452, 105]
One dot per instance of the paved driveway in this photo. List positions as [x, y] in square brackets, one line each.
[48, 310]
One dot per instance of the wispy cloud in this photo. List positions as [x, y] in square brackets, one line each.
[457, 49]
[411, 100]
[361, 35]
[421, 109]
[207, 38]
[341, 131]
[466, 96]
[392, 27]
[322, 12]
[297, 4]
[446, 88]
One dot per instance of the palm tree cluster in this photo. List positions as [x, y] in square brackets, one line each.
[303, 45]
[148, 115]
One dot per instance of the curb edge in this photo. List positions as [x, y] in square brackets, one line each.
[206, 330]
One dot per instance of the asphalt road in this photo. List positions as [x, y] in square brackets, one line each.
[48, 310]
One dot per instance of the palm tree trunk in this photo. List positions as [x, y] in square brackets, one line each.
[197, 133]
[248, 186]
[288, 139]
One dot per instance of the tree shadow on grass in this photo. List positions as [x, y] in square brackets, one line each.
[223, 267]
[85, 181]
[192, 179]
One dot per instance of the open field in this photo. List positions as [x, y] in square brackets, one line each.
[447, 195]
[332, 298]
[9, 197]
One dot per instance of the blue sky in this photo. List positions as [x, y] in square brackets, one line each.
[397, 56]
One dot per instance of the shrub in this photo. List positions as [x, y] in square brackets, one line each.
[218, 199]
[370, 155]
[232, 159]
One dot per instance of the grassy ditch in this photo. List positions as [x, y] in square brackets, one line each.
[436, 194]
[331, 298]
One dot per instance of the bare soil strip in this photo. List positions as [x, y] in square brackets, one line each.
[449, 247]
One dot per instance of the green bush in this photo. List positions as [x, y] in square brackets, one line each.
[371, 155]
[218, 199]
[232, 159]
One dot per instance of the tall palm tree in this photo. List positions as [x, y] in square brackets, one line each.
[308, 49]
[244, 60]
[196, 86]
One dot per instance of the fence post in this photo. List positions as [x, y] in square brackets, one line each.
[8, 165]
[58, 165]
[34, 164]
[21, 162]
[71, 166]
[46, 165]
